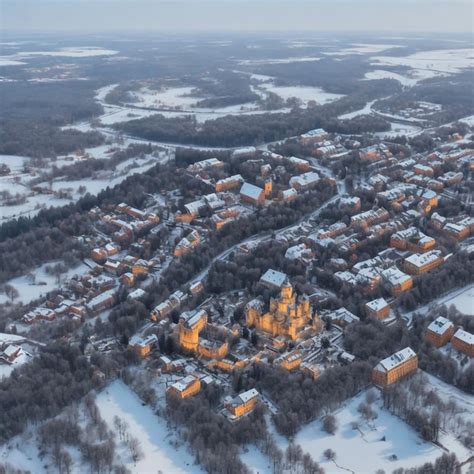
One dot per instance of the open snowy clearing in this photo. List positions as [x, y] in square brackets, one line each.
[427, 64]
[366, 110]
[363, 48]
[381, 74]
[72, 52]
[468, 120]
[175, 97]
[399, 129]
[257, 462]
[118, 400]
[304, 93]
[30, 289]
[463, 301]
[5, 61]
[14, 162]
[260, 62]
[365, 450]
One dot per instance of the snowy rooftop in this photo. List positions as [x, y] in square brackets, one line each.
[184, 383]
[231, 179]
[245, 396]
[395, 359]
[422, 259]
[191, 318]
[273, 277]
[317, 132]
[251, 191]
[464, 336]
[440, 325]
[395, 276]
[377, 304]
[305, 179]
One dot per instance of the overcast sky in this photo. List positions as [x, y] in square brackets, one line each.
[237, 15]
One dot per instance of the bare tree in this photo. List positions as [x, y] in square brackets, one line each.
[11, 292]
[135, 448]
[329, 454]
[330, 424]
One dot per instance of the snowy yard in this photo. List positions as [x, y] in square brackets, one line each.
[463, 301]
[30, 288]
[385, 443]
[7, 369]
[119, 400]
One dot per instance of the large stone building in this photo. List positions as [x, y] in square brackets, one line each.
[242, 404]
[287, 315]
[440, 331]
[378, 309]
[395, 367]
[186, 387]
[191, 323]
[463, 341]
[423, 262]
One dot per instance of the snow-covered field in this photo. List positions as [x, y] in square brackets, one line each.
[14, 162]
[304, 93]
[118, 400]
[366, 110]
[4, 61]
[259, 62]
[253, 458]
[381, 74]
[463, 301]
[362, 48]
[399, 129]
[428, 64]
[174, 97]
[72, 52]
[30, 289]
[469, 120]
[363, 450]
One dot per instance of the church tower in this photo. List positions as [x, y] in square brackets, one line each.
[268, 187]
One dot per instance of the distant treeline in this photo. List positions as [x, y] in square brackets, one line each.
[31, 114]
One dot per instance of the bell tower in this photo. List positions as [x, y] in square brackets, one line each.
[268, 187]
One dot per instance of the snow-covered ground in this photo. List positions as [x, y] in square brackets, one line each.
[364, 450]
[362, 48]
[31, 288]
[174, 97]
[304, 93]
[94, 185]
[14, 162]
[255, 460]
[4, 61]
[468, 120]
[426, 64]
[259, 62]
[7, 369]
[118, 400]
[464, 301]
[72, 52]
[399, 129]
[366, 110]
[381, 74]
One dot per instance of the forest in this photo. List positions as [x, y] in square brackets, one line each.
[30, 120]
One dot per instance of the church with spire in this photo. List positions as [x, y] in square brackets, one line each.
[288, 315]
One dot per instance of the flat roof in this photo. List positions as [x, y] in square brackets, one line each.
[395, 359]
